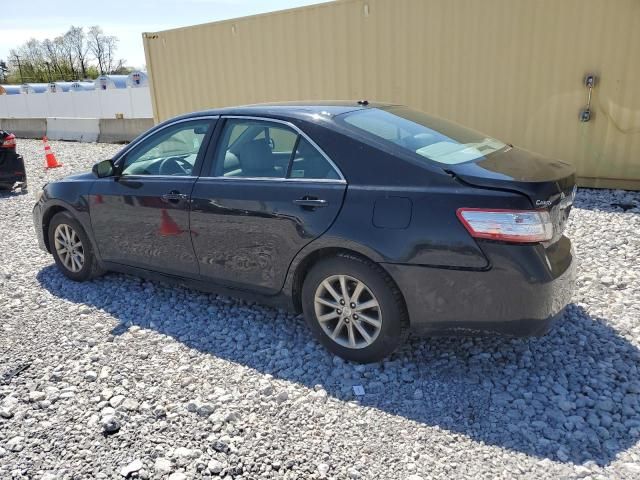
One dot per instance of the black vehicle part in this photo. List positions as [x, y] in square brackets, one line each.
[12, 169]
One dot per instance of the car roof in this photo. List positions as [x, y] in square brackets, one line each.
[292, 110]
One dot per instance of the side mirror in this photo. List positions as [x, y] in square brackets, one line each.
[105, 168]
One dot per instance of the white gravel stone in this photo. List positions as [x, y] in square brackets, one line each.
[16, 444]
[178, 476]
[183, 456]
[6, 412]
[131, 468]
[163, 465]
[354, 473]
[215, 466]
[37, 396]
[130, 404]
[50, 476]
[270, 402]
[116, 400]
[323, 469]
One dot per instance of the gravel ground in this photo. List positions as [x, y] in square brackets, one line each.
[123, 377]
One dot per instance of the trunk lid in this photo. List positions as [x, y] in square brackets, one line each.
[549, 184]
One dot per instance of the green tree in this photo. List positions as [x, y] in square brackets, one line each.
[74, 55]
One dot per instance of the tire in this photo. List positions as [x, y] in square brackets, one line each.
[71, 228]
[386, 323]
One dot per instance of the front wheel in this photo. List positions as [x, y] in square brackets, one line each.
[354, 309]
[71, 248]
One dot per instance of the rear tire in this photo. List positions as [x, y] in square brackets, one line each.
[71, 248]
[354, 309]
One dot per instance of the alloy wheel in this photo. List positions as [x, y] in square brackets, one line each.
[348, 311]
[69, 247]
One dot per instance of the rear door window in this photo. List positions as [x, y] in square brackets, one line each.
[262, 149]
[254, 149]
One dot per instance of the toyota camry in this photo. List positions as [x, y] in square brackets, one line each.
[372, 220]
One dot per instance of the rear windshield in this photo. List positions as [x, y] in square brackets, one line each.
[430, 137]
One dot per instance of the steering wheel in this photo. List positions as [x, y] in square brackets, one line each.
[175, 166]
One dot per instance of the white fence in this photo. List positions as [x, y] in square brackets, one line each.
[130, 102]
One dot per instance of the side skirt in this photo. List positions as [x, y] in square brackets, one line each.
[279, 300]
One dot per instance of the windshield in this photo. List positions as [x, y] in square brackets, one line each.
[430, 137]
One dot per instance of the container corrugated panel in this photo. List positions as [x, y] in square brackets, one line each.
[511, 68]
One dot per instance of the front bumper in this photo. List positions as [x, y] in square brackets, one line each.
[524, 291]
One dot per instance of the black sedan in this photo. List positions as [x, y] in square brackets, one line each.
[12, 171]
[373, 220]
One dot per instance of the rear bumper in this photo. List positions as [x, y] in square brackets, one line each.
[10, 180]
[524, 291]
[14, 177]
[12, 169]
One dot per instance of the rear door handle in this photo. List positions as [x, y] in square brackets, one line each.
[311, 202]
[174, 196]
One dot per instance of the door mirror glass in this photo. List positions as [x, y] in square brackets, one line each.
[103, 169]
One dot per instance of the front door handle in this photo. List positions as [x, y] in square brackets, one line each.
[310, 202]
[174, 196]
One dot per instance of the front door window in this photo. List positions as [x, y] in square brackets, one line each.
[171, 151]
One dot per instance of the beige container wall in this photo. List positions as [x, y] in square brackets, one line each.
[510, 68]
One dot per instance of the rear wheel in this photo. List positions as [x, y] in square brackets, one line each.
[71, 248]
[354, 309]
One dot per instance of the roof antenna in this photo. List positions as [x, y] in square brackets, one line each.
[364, 103]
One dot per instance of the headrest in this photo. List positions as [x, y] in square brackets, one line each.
[256, 156]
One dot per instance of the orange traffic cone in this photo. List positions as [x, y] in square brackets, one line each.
[50, 159]
[168, 226]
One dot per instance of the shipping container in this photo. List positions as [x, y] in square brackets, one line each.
[514, 69]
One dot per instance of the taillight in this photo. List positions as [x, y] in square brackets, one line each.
[9, 141]
[521, 226]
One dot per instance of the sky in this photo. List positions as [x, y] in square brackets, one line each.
[125, 19]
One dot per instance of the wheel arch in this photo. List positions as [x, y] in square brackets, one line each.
[308, 261]
[55, 206]
[48, 214]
